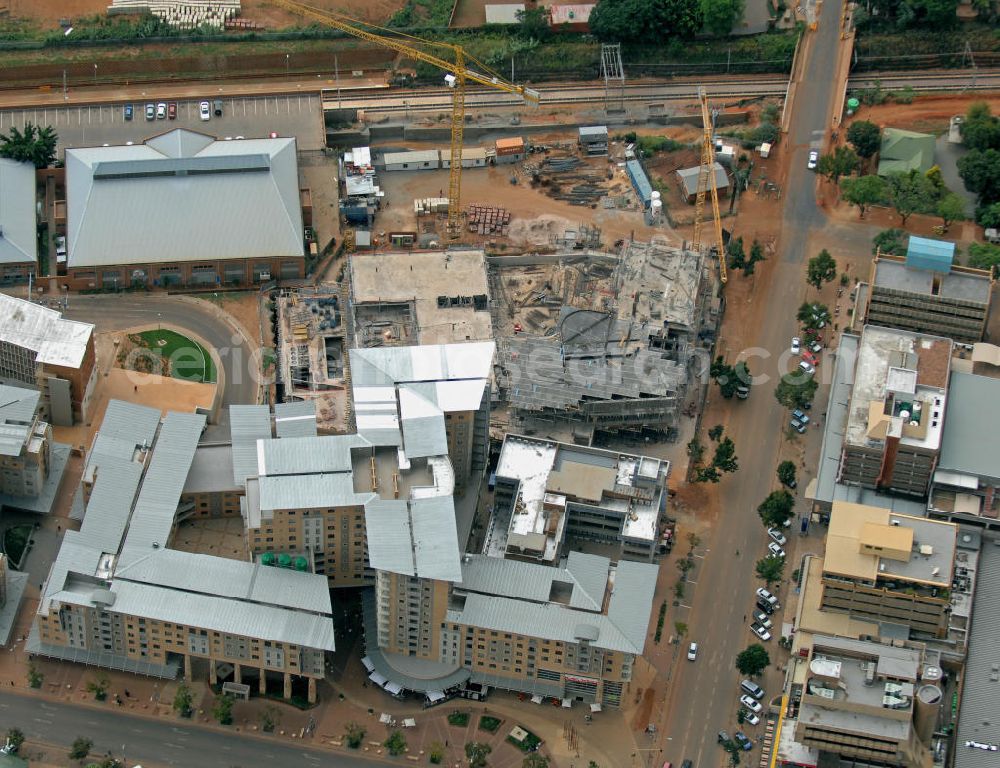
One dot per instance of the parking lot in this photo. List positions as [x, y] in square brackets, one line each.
[298, 115]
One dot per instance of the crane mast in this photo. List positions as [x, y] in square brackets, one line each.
[706, 182]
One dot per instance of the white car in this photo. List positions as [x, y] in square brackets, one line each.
[813, 160]
[767, 597]
[692, 651]
[61, 247]
[816, 347]
[751, 717]
[205, 110]
[796, 345]
[750, 703]
[775, 549]
[761, 618]
[161, 110]
[777, 536]
[806, 368]
[762, 633]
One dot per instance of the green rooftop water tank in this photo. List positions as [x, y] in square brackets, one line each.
[284, 560]
[301, 564]
[267, 558]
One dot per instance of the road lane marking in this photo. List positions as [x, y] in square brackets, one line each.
[42, 720]
[172, 746]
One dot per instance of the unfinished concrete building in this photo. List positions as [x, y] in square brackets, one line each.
[419, 297]
[311, 352]
[621, 352]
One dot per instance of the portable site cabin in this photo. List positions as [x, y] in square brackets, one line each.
[424, 160]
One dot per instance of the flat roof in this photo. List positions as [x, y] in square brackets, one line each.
[442, 287]
[211, 470]
[183, 196]
[971, 440]
[503, 13]
[897, 275]
[415, 156]
[18, 231]
[17, 418]
[53, 339]
[930, 545]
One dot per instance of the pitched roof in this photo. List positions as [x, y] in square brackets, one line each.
[53, 339]
[689, 178]
[18, 235]
[17, 415]
[183, 196]
[904, 151]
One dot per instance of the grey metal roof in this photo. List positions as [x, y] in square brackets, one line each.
[588, 575]
[211, 470]
[319, 492]
[54, 340]
[296, 419]
[132, 423]
[435, 538]
[110, 505]
[387, 530]
[593, 131]
[970, 442]
[977, 719]
[18, 234]
[153, 515]
[423, 426]
[386, 366]
[689, 178]
[247, 425]
[222, 614]
[632, 600]
[183, 197]
[306, 455]
[220, 576]
[17, 415]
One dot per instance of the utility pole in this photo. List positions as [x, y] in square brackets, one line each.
[336, 75]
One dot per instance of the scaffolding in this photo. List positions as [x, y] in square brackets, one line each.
[613, 74]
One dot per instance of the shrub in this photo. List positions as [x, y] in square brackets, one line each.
[458, 718]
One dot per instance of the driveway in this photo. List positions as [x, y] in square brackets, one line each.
[946, 156]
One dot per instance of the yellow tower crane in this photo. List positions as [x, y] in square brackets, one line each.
[458, 73]
[706, 181]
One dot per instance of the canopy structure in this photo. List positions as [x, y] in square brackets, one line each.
[378, 679]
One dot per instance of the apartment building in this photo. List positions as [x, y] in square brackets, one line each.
[550, 493]
[895, 416]
[42, 350]
[18, 222]
[889, 569]
[925, 292]
[118, 596]
[868, 703]
[24, 443]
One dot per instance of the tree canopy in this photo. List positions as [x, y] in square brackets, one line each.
[865, 137]
[910, 192]
[822, 268]
[645, 21]
[721, 16]
[786, 472]
[980, 170]
[984, 255]
[980, 129]
[863, 192]
[770, 568]
[476, 752]
[794, 390]
[31, 145]
[843, 161]
[950, 207]
[753, 660]
[890, 241]
[776, 509]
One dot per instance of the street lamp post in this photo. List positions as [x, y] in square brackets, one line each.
[95, 73]
[286, 64]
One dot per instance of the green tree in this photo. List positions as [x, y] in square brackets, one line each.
[909, 193]
[476, 752]
[984, 255]
[725, 456]
[865, 137]
[183, 700]
[935, 177]
[950, 208]
[680, 628]
[890, 241]
[716, 432]
[933, 14]
[775, 510]
[99, 687]
[695, 450]
[822, 268]
[435, 753]
[843, 161]
[269, 718]
[31, 144]
[223, 710]
[533, 24]
[794, 391]
[15, 738]
[980, 170]
[980, 129]
[354, 734]
[753, 660]
[81, 748]
[786, 472]
[35, 678]
[721, 15]
[107, 762]
[395, 744]
[770, 569]
[864, 191]
[535, 760]
[988, 216]
[725, 376]
[709, 474]
[733, 750]
[756, 255]
[645, 21]
[742, 373]
[736, 256]
[812, 312]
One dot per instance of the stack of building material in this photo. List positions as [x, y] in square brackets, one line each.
[487, 220]
[184, 14]
[565, 179]
[428, 206]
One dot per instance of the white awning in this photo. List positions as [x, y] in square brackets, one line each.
[385, 717]
[567, 703]
[433, 696]
[367, 662]
[409, 722]
[956, 478]
[376, 678]
[393, 688]
[536, 699]
[595, 707]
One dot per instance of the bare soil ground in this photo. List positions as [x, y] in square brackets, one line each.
[269, 16]
[929, 114]
[48, 12]
[242, 306]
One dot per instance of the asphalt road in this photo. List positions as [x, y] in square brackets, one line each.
[706, 693]
[295, 114]
[159, 742]
[112, 313]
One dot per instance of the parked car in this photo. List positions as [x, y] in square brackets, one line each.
[761, 618]
[775, 549]
[806, 368]
[218, 107]
[750, 717]
[60, 248]
[800, 415]
[758, 630]
[763, 594]
[742, 391]
[796, 345]
[128, 111]
[798, 426]
[816, 347]
[172, 110]
[692, 651]
[749, 686]
[150, 111]
[777, 536]
[813, 160]
[722, 737]
[765, 606]
[205, 111]
[161, 110]
[810, 358]
[750, 703]
[741, 738]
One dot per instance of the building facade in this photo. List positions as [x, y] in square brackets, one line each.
[24, 443]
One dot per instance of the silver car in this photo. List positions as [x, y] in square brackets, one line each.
[813, 160]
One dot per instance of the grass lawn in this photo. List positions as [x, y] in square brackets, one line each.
[188, 359]
[487, 723]
[458, 718]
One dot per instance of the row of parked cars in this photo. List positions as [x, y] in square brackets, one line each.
[168, 110]
[750, 696]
